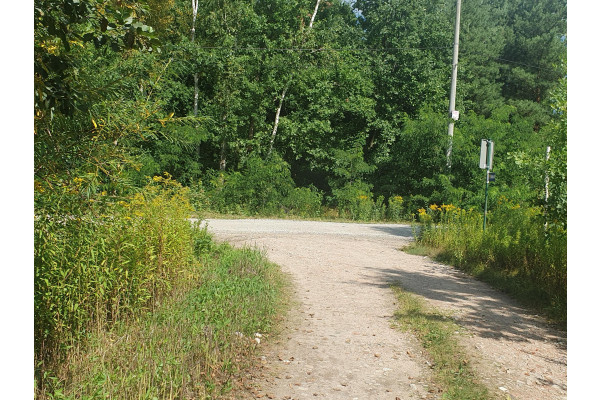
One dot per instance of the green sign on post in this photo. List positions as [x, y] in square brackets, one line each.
[486, 156]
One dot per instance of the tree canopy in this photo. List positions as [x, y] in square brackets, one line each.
[123, 90]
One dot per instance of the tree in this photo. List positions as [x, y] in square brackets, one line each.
[556, 203]
[411, 44]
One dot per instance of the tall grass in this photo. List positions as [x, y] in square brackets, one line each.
[133, 301]
[517, 252]
[102, 259]
[197, 343]
[438, 335]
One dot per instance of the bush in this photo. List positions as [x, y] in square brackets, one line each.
[516, 250]
[395, 209]
[260, 188]
[304, 202]
[263, 187]
[101, 259]
[355, 201]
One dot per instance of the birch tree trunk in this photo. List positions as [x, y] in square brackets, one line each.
[285, 89]
[274, 133]
[312, 18]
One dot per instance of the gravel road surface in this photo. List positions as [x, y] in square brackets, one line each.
[339, 342]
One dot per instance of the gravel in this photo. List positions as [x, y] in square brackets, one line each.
[339, 342]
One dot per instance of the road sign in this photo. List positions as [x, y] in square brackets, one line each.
[485, 162]
[486, 154]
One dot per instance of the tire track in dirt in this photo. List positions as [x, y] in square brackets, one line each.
[339, 343]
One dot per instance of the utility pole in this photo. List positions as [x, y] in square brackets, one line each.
[453, 113]
[194, 14]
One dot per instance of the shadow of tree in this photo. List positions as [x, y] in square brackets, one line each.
[393, 230]
[474, 305]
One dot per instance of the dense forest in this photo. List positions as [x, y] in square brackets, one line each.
[339, 99]
[148, 110]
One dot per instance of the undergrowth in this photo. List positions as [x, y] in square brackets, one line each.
[134, 301]
[194, 345]
[519, 252]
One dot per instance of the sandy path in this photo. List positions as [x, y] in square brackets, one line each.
[340, 344]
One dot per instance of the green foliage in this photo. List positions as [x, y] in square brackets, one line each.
[557, 162]
[363, 120]
[100, 260]
[418, 153]
[262, 187]
[63, 25]
[516, 246]
[354, 201]
[304, 202]
[537, 40]
[195, 344]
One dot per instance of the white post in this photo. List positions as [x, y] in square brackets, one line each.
[453, 85]
[194, 13]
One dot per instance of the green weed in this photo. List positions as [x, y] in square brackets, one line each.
[517, 252]
[195, 344]
[436, 332]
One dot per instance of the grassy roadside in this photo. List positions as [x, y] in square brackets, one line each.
[524, 290]
[194, 345]
[437, 334]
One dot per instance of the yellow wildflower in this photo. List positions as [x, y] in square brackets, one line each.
[449, 207]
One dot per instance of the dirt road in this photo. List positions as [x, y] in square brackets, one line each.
[340, 343]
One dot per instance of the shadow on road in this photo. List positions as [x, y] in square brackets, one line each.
[479, 308]
[400, 230]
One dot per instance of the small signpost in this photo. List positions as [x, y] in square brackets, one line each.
[486, 156]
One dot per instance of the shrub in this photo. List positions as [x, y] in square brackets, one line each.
[305, 202]
[101, 259]
[516, 250]
[260, 188]
[395, 209]
[354, 201]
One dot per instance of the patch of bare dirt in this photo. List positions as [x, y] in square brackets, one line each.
[339, 342]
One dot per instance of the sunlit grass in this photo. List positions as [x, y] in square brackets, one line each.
[195, 345]
[437, 333]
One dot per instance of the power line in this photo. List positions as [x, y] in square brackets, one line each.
[321, 49]
[523, 64]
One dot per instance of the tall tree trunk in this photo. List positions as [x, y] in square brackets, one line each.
[274, 133]
[223, 155]
[312, 18]
[193, 39]
[223, 159]
[195, 94]
[285, 89]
